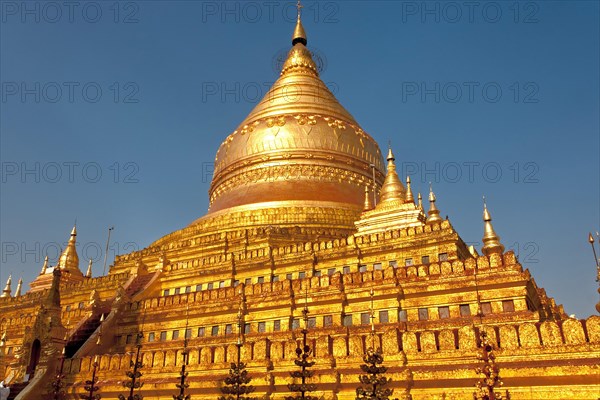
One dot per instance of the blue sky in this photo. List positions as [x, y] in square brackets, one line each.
[111, 114]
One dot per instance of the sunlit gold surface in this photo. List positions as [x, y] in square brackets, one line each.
[289, 219]
[298, 144]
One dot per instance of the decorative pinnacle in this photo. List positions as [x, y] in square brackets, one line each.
[409, 195]
[45, 266]
[491, 241]
[434, 213]
[420, 202]
[19, 286]
[591, 241]
[392, 188]
[299, 7]
[7, 290]
[368, 204]
[88, 274]
[390, 156]
[299, 35]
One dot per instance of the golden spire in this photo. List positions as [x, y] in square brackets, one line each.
[69, 260]
[88, 274]
[420, 202]
[368, 203]
[45, 266]
[299, 35]
[7, 290]
[19, 286]
[434, 213]
[392, 188]
[409, 195]
[491, 241]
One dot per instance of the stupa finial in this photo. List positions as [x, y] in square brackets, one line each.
[299, 35]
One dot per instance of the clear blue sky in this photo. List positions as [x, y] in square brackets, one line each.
[464, 94]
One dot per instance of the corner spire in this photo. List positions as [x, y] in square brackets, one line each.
[392, 188]
[19, 286]
[434, 213]
[409, 195]
[299, 35]
[69, 260]
[491, 240]
[420, 202]
[45, 266]
[88, 274]
[7, 290]
[368, 204]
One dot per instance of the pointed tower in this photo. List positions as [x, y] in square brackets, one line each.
[434, 213]
[88, 273]
[45, 266]
[420, 202]
[69, 260]
[7, 290]
[491, 241]
[368, 204]
[19, 286]
[409, 195]
[393, 211]
[392, 188]
[68, 264]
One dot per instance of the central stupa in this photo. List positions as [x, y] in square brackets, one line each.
[299, 159]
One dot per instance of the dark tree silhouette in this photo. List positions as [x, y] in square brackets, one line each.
[490, 371]
[373, 380]
[303, 353]
[237, 382]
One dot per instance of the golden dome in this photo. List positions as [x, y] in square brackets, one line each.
[298, 145]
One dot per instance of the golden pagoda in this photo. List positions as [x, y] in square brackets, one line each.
[297, 219]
